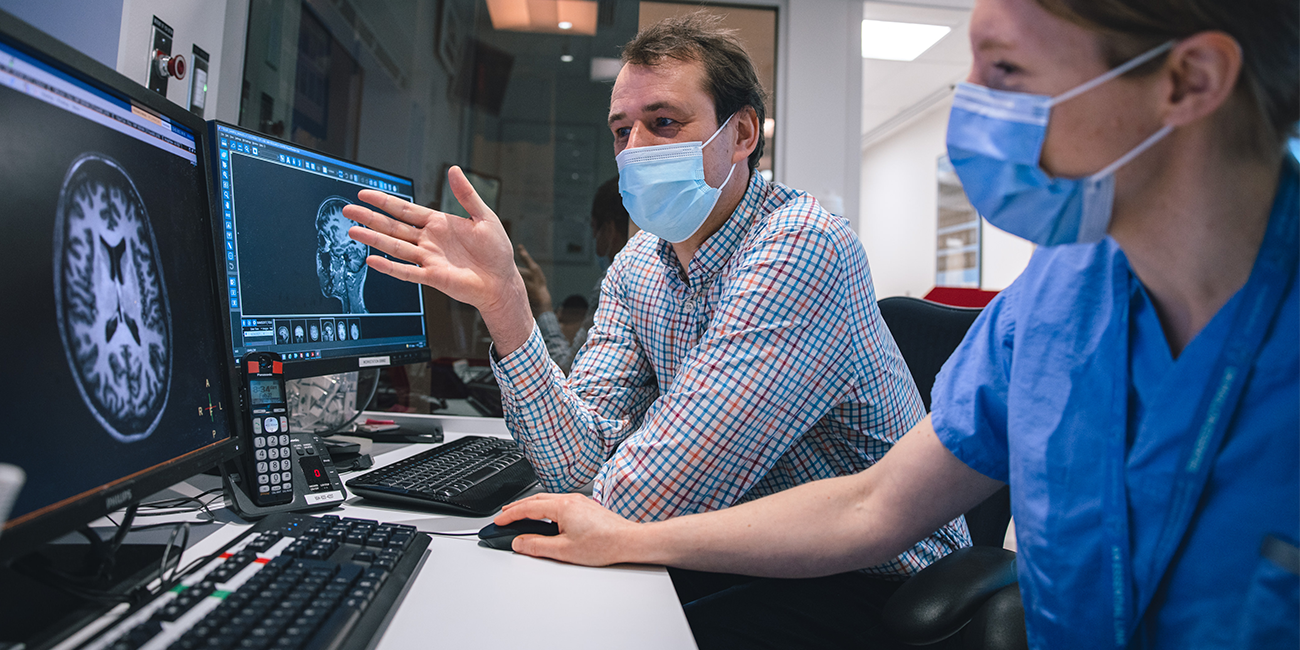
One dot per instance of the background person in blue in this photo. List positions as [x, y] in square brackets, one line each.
[1138, 389]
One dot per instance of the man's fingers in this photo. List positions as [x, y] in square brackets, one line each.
[401, 210]
[407, 272]
[468, 197]
[538, 545]
[394, 247]
[537, 506]
[528, 259]
[379, 223]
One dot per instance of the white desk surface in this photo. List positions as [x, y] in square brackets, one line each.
[465, 595]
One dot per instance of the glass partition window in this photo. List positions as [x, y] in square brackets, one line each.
[515, 92]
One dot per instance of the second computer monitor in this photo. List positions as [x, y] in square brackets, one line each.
[296, 283]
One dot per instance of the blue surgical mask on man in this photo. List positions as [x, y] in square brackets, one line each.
[664, 190]
[995, 141]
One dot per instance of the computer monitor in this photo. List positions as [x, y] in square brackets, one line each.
[296, 283]
[117, 377]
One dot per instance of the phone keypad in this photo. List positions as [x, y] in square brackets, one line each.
[271, 453]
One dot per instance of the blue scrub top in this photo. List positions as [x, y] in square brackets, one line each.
[1068, 368]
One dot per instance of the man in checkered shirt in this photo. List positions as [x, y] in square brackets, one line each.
[747, 359]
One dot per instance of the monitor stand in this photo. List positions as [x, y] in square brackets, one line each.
[37, 614]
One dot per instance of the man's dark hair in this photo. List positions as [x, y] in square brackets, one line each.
[729, 75]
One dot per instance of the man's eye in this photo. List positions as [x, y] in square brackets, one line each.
[1006, 68]
[622, 132]
[661, 122]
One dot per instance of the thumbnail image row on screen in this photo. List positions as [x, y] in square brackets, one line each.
[289, 331]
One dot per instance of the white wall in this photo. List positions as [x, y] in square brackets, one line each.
[77, 23]
[819, 95]
[195, 23]
[900, 211]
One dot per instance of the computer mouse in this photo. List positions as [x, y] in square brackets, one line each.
[500, 537]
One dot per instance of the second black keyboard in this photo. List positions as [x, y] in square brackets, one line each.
[474, 475]
[292, 582]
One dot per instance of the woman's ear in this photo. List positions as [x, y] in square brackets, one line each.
[1203, 70]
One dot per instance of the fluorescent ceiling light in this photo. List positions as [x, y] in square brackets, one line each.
[898, 41]
[544, 16]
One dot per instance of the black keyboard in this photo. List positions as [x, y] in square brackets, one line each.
[292, 581]
[474, 475]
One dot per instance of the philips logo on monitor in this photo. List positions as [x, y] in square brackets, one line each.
[118, 500]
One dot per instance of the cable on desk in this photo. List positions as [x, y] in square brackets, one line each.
[374, 390]
[99, 566]
[175, 505]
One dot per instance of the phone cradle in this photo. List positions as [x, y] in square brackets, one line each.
[316, 483]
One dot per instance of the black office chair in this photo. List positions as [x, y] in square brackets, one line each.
[972, 591]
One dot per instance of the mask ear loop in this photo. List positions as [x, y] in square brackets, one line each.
[1135, 152]
[1125, 67]
[715, 133]
[706, 143]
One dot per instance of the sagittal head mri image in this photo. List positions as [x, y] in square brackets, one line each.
[113, 314]
[340, 261]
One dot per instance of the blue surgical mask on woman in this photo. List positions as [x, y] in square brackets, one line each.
[995, 141]
[663, 187]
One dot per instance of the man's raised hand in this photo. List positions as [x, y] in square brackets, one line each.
[470, 260]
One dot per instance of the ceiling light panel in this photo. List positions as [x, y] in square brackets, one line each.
[544, 16]
[895, 41]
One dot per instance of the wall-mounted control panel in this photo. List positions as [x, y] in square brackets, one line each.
[198, 81]
[162, 65]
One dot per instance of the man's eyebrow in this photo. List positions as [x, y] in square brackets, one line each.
[648, 108]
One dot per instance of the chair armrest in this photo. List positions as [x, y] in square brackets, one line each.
[999, 625]
[939, 600]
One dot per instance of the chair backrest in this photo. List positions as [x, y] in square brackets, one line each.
[927, 333]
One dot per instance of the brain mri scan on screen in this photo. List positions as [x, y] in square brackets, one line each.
[340, 261]
[113, 314]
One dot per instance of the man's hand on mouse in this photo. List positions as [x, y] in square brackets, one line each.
[589, 534]
[470, 260]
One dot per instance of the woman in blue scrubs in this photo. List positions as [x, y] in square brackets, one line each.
[1138, 386]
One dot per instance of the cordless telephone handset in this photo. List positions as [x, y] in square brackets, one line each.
[278, 470]
[269, 477]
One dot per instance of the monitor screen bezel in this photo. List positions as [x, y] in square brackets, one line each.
[67, 515]
[301, 368]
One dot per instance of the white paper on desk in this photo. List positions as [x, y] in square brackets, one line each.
[11, 482]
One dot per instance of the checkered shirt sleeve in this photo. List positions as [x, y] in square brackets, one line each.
[695, 395]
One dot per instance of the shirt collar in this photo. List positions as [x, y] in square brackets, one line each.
[718, 248]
